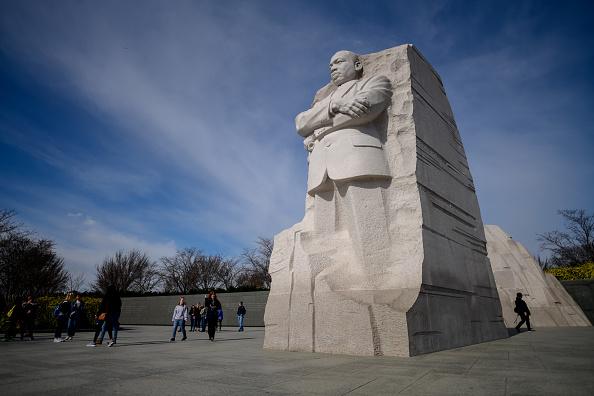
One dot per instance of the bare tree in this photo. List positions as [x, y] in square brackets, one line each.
[190, 271]
[7, 223]
[209, 269]
[256, 262]
[126, 271]
[76, 282]
[228, 271]
[149, 280]
[181, 272]
[573, 246]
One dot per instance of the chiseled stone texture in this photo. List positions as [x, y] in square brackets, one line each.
[515, 270]
[424, 282]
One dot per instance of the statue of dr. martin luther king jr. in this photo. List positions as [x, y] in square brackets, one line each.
[339, 129]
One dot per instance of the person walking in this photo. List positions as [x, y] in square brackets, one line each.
[212, 305]
[522, 310]
[240, 315]
[29, 312]
[15, 318]
[220, 318]
[113, 308]
[202, 316]
[194, 313]
[100, 317]
[62, 313]
[76, 312]
[179, 318]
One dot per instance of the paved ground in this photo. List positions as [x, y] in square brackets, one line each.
[545, 362]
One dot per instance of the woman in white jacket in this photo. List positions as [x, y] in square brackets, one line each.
[179, 318]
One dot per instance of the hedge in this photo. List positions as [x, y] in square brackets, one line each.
[584, 271]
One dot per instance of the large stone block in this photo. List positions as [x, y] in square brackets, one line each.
[390, 257]
[516, 271]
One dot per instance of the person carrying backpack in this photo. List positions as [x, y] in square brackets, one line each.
[522, 310]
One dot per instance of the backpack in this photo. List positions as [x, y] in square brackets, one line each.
[57, 311]
[516, 310]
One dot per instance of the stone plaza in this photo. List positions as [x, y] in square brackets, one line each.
[548, 361]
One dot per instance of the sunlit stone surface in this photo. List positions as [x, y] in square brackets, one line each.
[516, 271]
[390, 257]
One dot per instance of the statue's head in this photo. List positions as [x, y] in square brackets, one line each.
[345, 66]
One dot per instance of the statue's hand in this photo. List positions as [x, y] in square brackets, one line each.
[354, 108]
[309, 142]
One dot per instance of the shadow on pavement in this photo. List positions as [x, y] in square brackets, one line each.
[179, 341]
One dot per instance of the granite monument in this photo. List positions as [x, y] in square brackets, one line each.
[390, 257]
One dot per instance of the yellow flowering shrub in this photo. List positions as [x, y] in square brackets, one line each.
[584, 271]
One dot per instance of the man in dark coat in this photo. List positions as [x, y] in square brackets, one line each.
[522, 310]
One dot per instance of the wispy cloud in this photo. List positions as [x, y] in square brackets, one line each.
[188, 136]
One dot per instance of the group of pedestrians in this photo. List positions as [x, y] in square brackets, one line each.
[21, 316]
[202, 316]
[68, 315]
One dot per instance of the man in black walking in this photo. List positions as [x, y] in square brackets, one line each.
[522, 310]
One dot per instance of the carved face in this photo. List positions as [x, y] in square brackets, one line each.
[344, 67]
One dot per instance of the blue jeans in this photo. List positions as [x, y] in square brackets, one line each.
[61, 323]
[193, 321]
[203, 323]
[72, 322]
[111, 323]
[240, 321]
[179, 323]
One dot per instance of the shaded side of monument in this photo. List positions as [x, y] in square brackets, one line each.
[516, 271]
[422, 282]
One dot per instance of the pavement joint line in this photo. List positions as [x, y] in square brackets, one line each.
[415, 381]
[472, 365]
[360, 386]
[505, 387]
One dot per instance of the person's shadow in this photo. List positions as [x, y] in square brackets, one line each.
[511, 331]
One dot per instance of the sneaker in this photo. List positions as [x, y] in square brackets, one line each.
[91, 344]
[185, 338]
[172, 339]
[58, 339]
[111, 343]
[68, 338]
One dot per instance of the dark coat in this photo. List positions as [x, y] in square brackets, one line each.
[521, 307]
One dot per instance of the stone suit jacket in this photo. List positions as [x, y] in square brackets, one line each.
[349, 147]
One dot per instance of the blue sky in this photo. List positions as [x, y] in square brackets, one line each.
[162, 125]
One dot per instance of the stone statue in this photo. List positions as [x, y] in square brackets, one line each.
[338, 130]
[390, 257]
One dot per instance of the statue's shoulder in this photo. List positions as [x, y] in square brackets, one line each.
[375, 80]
